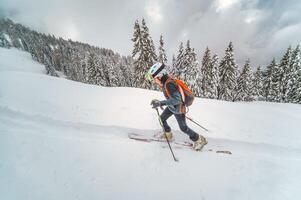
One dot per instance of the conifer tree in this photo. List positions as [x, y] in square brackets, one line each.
[162, 58]
[185, 67]
[228, 75]
[283, 75]
[150, 56]
[214, 81]
[270, 84]
[193, 72]
[206, 74]
[244, 84]
[257, 89]
[295, 76]
[3, 41]
[137, 39]
[173, 62]
[296, 98]
[170, 68]
[96, 75]
[138, 52]
[143, 53]
[66, 56]
[179, 62]
[186, 62]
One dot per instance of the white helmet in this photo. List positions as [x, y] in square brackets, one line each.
[156, 69]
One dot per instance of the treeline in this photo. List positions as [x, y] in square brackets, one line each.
[75, 60]
[221, 78]
[208, 76]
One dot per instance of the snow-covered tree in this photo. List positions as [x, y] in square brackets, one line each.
[143, 53]
[193, 73]
[186, 63]
[162, 58]
[4, 40]
[48, 66]
[257, 89]
[179, 62]
[244, 84]
[296, 98]
[126, 72]
[214, 81]
[228, 75]
[66, 56]
[140, 66]
[96, 74]
[284, 75]
[170, 68]
[148, 45]
[139, 51]
[270, 83]
[185, 67]
[206, 73]
[137, 39]
[294, 95]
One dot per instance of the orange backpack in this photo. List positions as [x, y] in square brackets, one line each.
[186, 93]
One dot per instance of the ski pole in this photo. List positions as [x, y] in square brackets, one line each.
[197, 123]
[161, 123]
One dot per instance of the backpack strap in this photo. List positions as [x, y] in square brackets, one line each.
[170, 80]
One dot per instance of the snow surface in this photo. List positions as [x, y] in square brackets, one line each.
[61, 139]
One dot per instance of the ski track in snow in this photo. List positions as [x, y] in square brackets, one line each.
[52, 150]
[91, 131]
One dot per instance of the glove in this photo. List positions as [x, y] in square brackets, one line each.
[156, 103]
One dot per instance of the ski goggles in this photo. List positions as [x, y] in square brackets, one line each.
[149, 77]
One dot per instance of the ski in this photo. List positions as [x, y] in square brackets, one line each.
[187, 144]
[144, 138]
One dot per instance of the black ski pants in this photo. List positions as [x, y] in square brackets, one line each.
[181, 119]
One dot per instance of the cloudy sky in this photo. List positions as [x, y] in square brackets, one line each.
[259, 29]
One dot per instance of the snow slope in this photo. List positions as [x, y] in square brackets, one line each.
[61, 139]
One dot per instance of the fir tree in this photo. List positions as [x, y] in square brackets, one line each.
[206, 74]
[214, 81]
[170, 68]
[257, 89]
[245, 84]
[96, 75]
[150, 56]
[173, 62]
[185, 67]
[297, 92]
[3, 41]
[178, 64]
[49, 67]
[192, 74]
[139, 54]
[228, 75]
[66, 56]
[143, 53]
[270, 86]
[283, 75]
[186, 63]
[162, 58]
[84, 67]
[137, 39]
[294, 94]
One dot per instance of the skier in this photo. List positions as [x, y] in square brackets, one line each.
[174, 95]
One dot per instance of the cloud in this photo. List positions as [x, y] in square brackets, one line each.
[222, 5]
[153, 10]
[259, 29]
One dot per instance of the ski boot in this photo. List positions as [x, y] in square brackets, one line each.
[200, 143]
